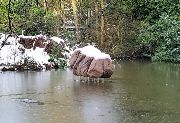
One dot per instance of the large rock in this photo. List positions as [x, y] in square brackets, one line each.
[82, 68]
[107, 69]
[39, 42]
[73, 58]
[78, 60]
[27, 42]
[49, 47]
[86, 66]
[96, 68]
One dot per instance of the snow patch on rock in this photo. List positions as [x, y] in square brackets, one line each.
[56, 39]
[92, 51]
[38, 55]
[12, 52]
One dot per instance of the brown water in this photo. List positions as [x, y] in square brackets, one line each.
[138, 92]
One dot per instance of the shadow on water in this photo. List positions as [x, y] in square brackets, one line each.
[138, 92]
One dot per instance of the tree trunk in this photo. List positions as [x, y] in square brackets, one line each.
[63, 14]
[97, 23]
[74, 6]
[102, 23]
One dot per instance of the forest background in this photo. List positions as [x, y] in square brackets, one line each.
[122, 28]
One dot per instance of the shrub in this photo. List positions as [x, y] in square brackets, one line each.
[58, 58]
[163, 38]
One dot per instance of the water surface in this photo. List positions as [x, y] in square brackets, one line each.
[138, 92]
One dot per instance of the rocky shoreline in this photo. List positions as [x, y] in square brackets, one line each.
[30, 52]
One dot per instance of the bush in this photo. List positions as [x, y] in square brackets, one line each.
[163, 38]
[58, 58]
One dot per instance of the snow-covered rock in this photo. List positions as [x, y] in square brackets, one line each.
[56, 39]
[92, 51]
[91, 62]
[15, 51]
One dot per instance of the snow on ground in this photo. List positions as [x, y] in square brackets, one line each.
[56, 39]
[10, 53]
[38, 55]
[33, 37]
[92, 51]
[2, 37]
[22, 36]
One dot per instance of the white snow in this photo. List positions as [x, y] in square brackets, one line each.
[2, 37]
[92, 51]
[56, 39]
[32, 37]
[38, 55]
[22, 36]
[10, 54]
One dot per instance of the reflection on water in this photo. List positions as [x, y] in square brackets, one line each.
[138, 92]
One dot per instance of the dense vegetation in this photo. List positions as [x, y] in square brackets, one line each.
[123, 28]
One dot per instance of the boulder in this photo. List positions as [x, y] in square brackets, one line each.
[96, 68]
[26, 42]
[39, 42]
[108, 68]
[82, 68]
[100, 68]
[89, 66]
[78, 60]
[49, 47]
[73, 58]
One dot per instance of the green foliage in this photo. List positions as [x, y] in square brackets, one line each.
[164, 37]
[130, 26]
[122, 28]
[160, 28]
[26, 15]
[57, 57]
[3, 16]
[142, 25]
[69, 36]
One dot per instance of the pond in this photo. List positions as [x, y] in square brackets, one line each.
[138, 92]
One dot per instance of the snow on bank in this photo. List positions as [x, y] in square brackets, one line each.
[11, 54]
[10, 40]
[38, 55]
[56, 39]
[92, 51]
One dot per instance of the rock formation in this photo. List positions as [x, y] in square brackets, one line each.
[88, 66]
[27, 42]
[30, 52]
